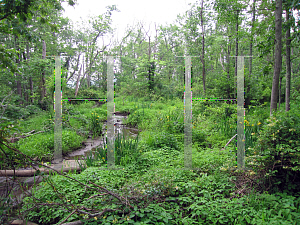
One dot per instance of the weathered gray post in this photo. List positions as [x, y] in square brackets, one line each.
[58, 113]
[110, 111]
[240, 113]
[187, 115]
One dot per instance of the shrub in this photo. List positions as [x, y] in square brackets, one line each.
[199, 136]
[16, 112]
[32, 109]
[88, 93]
[160, 140]
[42, 145]
[279, 149]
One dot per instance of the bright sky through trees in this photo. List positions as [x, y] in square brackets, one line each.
[131, 12]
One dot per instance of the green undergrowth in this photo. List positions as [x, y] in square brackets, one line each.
[163, 196]
[42, 145]
[151, 172]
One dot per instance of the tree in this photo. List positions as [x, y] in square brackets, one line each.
[288, 62]
[203, 46]
[14, 14]
[278, 58]
[251, 51]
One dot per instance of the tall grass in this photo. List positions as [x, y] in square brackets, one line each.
[95, 125]
[126, 152]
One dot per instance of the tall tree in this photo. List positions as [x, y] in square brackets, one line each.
[18, 76]
[203, 46]
[278, 58]
[288, 61]
[251, 51]
[43, 88]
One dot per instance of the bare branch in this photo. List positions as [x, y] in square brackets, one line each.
[113, 194]
[68, 216]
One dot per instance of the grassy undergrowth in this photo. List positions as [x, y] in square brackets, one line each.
[159, 188]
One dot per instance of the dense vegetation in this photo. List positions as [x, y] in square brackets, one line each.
[150, 184]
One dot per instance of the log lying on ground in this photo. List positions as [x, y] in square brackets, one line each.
[68, 165]
[15, 139]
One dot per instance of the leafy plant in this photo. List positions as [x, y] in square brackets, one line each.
[126, 152]
[278, 150]
[95, 125]
[42, 145]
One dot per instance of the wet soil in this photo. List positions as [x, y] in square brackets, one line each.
[8, 185]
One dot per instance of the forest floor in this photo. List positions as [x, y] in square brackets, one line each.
[150, 183]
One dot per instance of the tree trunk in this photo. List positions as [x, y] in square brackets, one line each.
[77, 83]
[18, 77]
[292, 53]
[236, 47]
[83, 73]
[203, 45]
[43, 94]
[251, 53]
[251, 41]
[76, 67]
[228, 67]
[149, 54]
[278, 59]
[30, 77]
[88, 65]
[279, 93]
[228, 58]
[236, 42]
[288, 63]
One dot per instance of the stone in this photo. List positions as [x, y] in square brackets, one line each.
[20, 222]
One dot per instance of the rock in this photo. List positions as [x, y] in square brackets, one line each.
[20, 222]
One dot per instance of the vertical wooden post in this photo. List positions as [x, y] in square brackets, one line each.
[240, 113]
[110, 111]
[58, 113]
[187, 115]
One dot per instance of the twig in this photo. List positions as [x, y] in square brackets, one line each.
[96, 196]
[60, 195]
[229, 141]
[68, 216]
[115, 195]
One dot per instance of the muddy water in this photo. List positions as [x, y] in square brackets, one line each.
[91, 144]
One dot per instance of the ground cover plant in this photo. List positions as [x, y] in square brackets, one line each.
[154, 188]
[257, 41]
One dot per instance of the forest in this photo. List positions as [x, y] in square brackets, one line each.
[149, 182]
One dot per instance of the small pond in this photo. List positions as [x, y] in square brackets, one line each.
[91, 144]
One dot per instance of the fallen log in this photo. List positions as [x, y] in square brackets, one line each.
[15, 139]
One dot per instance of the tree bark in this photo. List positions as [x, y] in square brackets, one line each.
[279, 92]
[77, 83]
[236, 49]
[30, 77]
[228, 66]
[18, 77]
[76, 67]
[203, 45]
[236, 42]
[25, 84]
[43, 94]
[83, 73]
[288, 63]
[278, 59]
[251, 53]
[228, 57]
